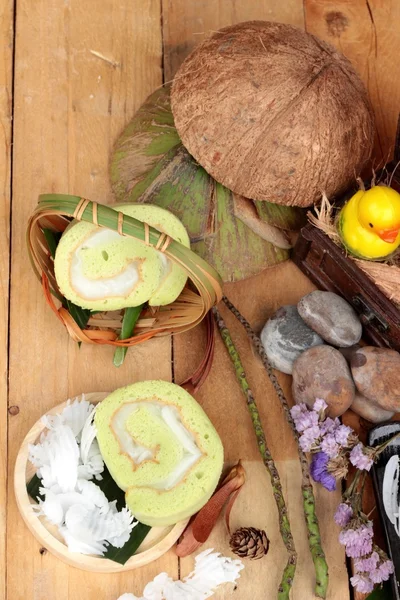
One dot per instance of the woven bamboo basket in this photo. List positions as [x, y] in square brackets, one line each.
[54, 212]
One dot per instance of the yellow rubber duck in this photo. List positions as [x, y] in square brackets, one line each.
[369, 223]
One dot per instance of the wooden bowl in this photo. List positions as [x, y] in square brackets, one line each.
[157, 542]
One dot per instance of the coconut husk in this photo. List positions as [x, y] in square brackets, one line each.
[150, 165]
[245, 210]
[273, 113]
[385, 275]
[55, 212]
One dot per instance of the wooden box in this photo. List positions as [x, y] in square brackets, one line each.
[328, 266]
[331, 269]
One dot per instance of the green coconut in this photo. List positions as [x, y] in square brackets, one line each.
[161, 449]
[98, 269]
[150, 165]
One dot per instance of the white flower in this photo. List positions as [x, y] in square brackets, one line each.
[67, 457]
[93, 495]
[56, 458]
[211, 570]
[76, 414]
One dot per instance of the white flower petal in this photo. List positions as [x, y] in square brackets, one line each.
[76, 413]
[76, 545]
[93, 494]
[211, 570]
[58, 455]
[88, 436]
[51, 509]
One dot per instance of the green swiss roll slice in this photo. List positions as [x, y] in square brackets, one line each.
[99, 269]
[161, 449]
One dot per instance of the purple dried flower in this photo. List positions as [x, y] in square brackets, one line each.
[362, 583]
[360, 459]
[358, 542]
[383, 572]
[343, 515]
[329, 425]
[309, 437]
[365, 565]
[320, 405]
[306, 420]
[319, 472]
[342, 434]
[329, 446]
[297, 410]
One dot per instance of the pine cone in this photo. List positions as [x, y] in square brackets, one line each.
[249, 542]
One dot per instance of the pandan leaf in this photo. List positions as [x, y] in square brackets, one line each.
[122, 555]
[131, 316]
[52, 239]
[150, 165]
[381, 593]
[112, 492]
[291, 218]
[33, 488]
[80, 315]
[110, 489]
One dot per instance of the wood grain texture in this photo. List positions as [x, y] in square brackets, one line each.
[6, 75]
[82, 69]
[186, 23]
[222, 399]
[367, 32]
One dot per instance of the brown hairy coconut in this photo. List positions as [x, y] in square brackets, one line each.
[273, 113]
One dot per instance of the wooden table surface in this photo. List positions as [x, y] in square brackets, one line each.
[72, 73]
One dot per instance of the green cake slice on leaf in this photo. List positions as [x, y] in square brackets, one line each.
[161, 449]
[99, 269]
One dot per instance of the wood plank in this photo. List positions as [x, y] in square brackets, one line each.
[6, 67]
[82, 69]
[221, 397]
[185, 24]
[367, 32]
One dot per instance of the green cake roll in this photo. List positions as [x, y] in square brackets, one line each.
[161, 449]
[99, 269]
[173, 277]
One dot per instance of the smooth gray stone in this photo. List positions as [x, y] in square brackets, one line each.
[285, 336]
[331, 317]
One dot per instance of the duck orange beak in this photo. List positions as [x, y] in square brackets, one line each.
[388, 235]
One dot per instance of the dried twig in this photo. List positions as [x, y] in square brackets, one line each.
[284, 524]
[314, 537]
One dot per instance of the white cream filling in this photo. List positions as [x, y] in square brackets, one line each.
[138, 453]
[165, 266]
[95, 289]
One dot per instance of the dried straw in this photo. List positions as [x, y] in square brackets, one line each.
[325, 219]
